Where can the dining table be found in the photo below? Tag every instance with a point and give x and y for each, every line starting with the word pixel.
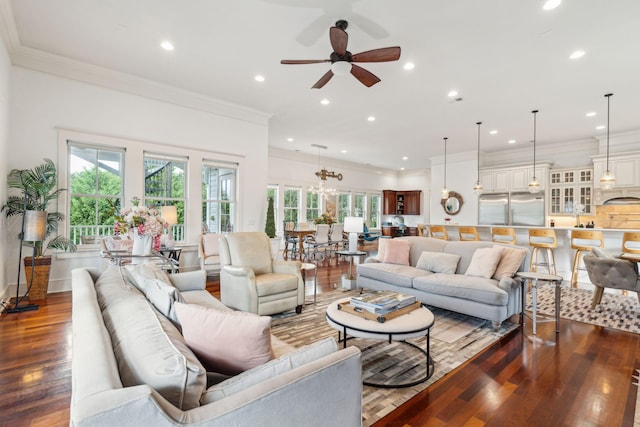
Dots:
pixel 300 233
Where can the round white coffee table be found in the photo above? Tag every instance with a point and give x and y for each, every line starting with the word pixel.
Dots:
pixel 414 324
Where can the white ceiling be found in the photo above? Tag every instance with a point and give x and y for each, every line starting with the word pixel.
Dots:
pixel 505 58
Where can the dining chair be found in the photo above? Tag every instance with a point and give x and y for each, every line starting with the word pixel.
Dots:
pixel 317 244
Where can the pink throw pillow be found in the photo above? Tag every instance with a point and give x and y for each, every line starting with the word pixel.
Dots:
pixel 228 342
pixel 210 244
pixel 382 248
pixel 510 262
pixel 397 252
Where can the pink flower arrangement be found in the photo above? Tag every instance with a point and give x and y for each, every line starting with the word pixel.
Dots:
pixel 146 221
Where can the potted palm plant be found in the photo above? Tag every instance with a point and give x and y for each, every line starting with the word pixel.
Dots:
pixel 37 188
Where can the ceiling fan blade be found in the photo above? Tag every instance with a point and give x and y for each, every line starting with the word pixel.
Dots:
pixel 366 78
pixel 323 80
pixel 384 54
pixel 339 39
pixel 304 61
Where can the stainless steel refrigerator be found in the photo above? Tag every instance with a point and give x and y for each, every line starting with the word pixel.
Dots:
pixel 518 208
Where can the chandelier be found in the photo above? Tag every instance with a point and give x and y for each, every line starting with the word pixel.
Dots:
pixel 322 188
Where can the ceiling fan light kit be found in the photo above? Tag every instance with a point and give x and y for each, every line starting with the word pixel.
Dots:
pixel 342 61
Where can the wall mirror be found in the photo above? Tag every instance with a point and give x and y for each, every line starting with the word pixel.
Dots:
pixel 452 204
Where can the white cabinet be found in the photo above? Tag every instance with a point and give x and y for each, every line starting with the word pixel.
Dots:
pixel 513 178
pixel 570 186
pixel 625 167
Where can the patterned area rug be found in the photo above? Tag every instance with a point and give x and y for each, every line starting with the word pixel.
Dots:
pixel 455 338
pixel 615 311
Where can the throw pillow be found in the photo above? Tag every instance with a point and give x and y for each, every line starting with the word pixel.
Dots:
pixel 397 252
pixel 382 249
pixel 163 296
pixel 484 262
pixel 210 244
pixel 228 342
pixel 438 262
pixel 148 270
pixel 509 262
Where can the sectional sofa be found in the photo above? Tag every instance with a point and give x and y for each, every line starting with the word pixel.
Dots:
pixel 133 365
pixel 474 278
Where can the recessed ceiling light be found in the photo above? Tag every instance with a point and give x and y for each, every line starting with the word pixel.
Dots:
pixel 401 169
pixel 551 4
pixel 167 45
pixel 409 66
pixel 259 78
pixel 601 127
pixel 590 114
pixel 371 119
pixel 577 54
pixel 405 158
pixel 512 141
pixel 325 102
pixel 452 93
pixel 290 139
pixel 344 151
pixel 493 132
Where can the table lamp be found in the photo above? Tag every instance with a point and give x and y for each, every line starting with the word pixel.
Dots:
pixel 353 225
pixel 170 215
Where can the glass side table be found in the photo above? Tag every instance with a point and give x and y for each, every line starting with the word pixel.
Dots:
pixel 533 277
pixel 349 282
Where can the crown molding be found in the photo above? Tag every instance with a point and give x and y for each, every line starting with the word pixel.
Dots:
pixel 8 30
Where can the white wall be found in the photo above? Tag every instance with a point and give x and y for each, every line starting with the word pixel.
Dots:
pixel 5 78
pixel 42 104
pixel 461 176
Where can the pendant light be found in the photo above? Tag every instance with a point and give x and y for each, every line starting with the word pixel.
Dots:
pixel 534 185
pixel 445 192
pixel 608 180
pixel 478 188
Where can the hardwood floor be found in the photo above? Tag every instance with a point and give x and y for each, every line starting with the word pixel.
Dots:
pixel 582 377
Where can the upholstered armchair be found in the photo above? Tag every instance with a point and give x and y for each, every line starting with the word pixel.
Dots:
pixel 209 252
pixel 608 272
pixel 251 280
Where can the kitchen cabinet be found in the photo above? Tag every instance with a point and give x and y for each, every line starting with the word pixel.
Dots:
pixel 512 178
pixel 388 202
pixel 570 186
pixel 625 167
pixel 401 202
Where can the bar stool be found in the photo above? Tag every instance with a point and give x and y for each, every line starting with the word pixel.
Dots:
pixel 633 238
pixel 468 234
pixel 583 241
pixel 543 240
pixel 504 235
pixel 421 229
pixel 438 232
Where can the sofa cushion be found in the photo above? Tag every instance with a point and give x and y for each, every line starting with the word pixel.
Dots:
pixel 163 296
pixel 268 370
pixel 138 272
pixel 397 252
pixel 394 274
pixel 275 283
pixel 460 286
pixel 229 342
pixel 438 262
pixel 147 346
pixel 484 262
pixel 510 262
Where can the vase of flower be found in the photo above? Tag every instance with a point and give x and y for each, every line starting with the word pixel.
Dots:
pixel 141 244
pixel 144 223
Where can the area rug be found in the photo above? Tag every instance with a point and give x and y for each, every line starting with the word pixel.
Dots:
pixel 455 338
pixel 615 311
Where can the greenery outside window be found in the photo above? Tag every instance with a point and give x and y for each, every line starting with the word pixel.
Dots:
pixel 374 211
pixel 219 183
pixel 313 206
pixel 164 185
pixel 96 186
pixel 292 204
pixel 360 205
pixel 344 206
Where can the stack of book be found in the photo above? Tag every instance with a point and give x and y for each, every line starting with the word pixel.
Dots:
pixel 382 302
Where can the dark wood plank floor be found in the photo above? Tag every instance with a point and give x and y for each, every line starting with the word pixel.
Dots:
pixel 583 377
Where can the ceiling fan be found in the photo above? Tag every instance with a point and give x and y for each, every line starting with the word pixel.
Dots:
pixel 342 60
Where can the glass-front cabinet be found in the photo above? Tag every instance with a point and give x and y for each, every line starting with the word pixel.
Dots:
pixel 570 188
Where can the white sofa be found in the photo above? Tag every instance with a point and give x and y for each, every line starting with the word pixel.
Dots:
pixel 131 366
pixel 486 298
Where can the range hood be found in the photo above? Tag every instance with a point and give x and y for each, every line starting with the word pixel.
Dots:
pixel 622 201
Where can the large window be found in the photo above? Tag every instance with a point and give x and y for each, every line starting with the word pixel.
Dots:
pixel 164 185
pixel 95 190
pixel 292 204
pixel 360 205
pixel 374 211
pixel 218 196
pixel 344 206
pixel 313 206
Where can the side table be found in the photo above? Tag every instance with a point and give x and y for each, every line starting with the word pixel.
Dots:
pixel 348 282
pixel 534 277
pixel 306 267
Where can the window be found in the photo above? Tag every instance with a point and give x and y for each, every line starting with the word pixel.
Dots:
pixel 374 211
pixel 360 205
pixel 95 189
pixel 272 192
pixel 218 196
pixel 313 206
pixel 344 206
pixel 164 185
pixel 292 204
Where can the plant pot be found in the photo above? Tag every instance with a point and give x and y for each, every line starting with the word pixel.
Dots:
pixel 41 269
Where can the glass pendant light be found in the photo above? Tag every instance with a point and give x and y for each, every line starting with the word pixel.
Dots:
pixel 534 185
pixel 445 191
pixel 478 188
pixel 608 180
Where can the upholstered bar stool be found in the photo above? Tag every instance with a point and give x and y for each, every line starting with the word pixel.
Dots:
pixel 583 241
pixel 438 232
pixel 631 242
pixel 422 230
pixel 504 235
pixel 468 234
pixel 543 240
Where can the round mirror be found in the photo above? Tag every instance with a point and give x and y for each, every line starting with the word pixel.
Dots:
pixel 452 204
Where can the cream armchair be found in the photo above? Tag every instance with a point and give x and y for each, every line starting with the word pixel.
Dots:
pixel 250 280
pixel 209 252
